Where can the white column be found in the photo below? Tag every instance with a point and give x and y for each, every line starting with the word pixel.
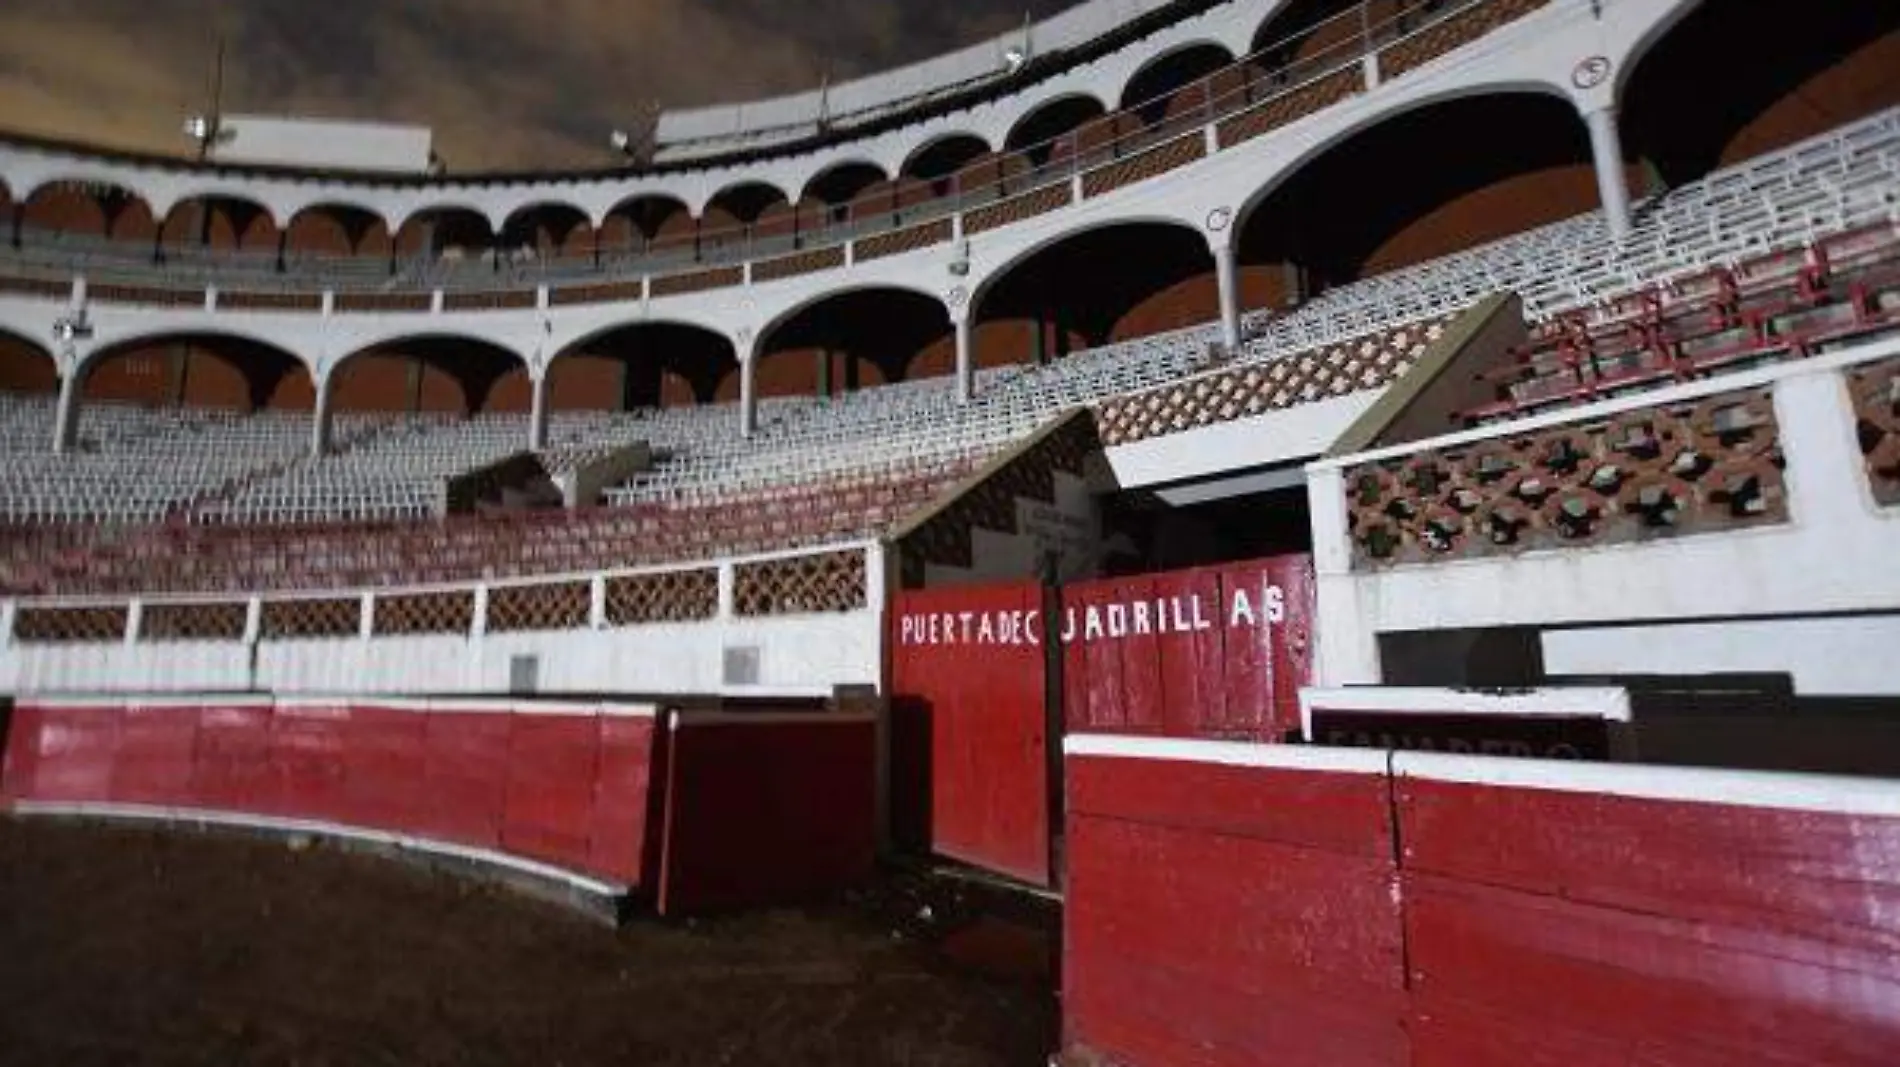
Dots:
pixel 748 396
pixel 538 416
pixel 1345 647
pixel 320 419
pixel 1225 273
pixel 966 370
pixel 1606 149
pixel 66 418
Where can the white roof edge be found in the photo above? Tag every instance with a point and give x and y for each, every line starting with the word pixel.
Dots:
pixel 1227 753
pixel 1606 702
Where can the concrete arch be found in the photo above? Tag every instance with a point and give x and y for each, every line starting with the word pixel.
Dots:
pixel 98 191
pixel 938 144
pixel 211 194
pixel 1018 258
pixel 436 349
pixel 26 365
pixel 832 173
pixel 356 221
pixel 1373 119
pixel 639 377
pixel 1021 122
pixel 571 346
pixel 771 325
pixel 418 210
pixel 263 363
pixel 706 202
pixel 507 232
pixel 1175 54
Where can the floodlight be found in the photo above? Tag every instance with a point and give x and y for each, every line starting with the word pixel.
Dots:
pixel 1014 57
pixel 621 140
pixel 198 128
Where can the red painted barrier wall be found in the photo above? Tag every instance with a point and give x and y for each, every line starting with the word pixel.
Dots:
pixel 765 809
pixel 968 663
pixel 564 785
pixel 1232 915
pixel 1549 912
pixel 1220 652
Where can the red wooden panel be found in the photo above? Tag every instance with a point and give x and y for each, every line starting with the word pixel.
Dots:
pixel 1799 873
pixel 464 778
pixel 963 658
pixel 385 781
pixel 153 762
pixel 1193 698
pixel 74 751
pixel 307 759
pixel 624 800
pixel 22 753
pixel 1292 637
pixel 767 812
pixel 1665 989
pixel 1263 674
pixel 231 771
pixel 1339 812
pixel 552 762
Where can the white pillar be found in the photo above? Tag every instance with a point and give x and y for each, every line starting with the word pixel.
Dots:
pixel 966 370
pixel 748 396
pixel 1606 149
pixel 66 418
pixel 320 419
pixel 538 416
pixel 1225 273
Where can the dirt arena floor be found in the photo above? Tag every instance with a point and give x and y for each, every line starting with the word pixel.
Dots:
pixel 133 946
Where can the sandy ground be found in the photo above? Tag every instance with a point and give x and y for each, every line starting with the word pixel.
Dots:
pixel 133 946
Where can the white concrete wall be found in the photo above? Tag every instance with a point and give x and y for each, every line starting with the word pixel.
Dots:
pixel 1837 553
pixel 1848 656
pixel 797 655
pixel 1296 433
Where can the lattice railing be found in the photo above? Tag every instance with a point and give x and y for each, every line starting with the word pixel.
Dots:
pixel 563 606
pixel 877 246
pixel 313 618
pixel 817 259
pixel 193 622
pixel 70 626
pixel 450 611
pixel 671 596
pixel 1693 467
pixel 1150 164
pixel 828 583
pixel 697 281
pixel 1875 388
pixel 1017 208
pixel 1442 37
pixel 1291 105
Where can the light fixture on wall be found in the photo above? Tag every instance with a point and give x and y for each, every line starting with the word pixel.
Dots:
pixel 68 329
pixel 1013 59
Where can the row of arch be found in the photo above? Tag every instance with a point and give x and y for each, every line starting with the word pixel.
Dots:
pixel 1179 81
pixel 1461 187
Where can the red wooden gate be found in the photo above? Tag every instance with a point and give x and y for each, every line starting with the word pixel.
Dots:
pixel 1217 652
pixel 967 675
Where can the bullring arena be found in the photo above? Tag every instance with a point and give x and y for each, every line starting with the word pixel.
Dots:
pixel 1266 532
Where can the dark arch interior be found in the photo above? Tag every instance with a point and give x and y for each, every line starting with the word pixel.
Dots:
pixel 547 228
pixel 1421 185
pixel 1162 279
pixel 641 365
pixel 439 374
pixel 940 159
pixel 1741 77
pixel 643 219
pixel 220 222
pixel 336 229
pixel 746 202
pixel 198 370
pixel 854 339
pixel 91 209
pixel 1313 30
pixel 436 230
pixel 1152 87
pixel 841 184
pixel 26 367
pixel 1054 119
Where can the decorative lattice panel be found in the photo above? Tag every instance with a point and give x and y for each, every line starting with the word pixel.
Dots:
pixel 1458 30
pixel 803 585
pixel 1298 103
pixel 193 622
pixel 448 612
pixel 328 617
pixel 817 259
pixel 1699 467
pixel 1149 164
pixel 1876 392
pixel 487 300
pixel 382 302
pixel 240 300
pixel 698 281
pixel 36 287
pixel 562 606
pixel 147 295
pixel 606 293
pixel 1003 213
pixel 1257 388
pixel 69 626
pixel 674 596
pixel 908 239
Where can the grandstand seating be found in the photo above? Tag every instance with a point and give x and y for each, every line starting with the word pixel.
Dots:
pixel 1778 253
